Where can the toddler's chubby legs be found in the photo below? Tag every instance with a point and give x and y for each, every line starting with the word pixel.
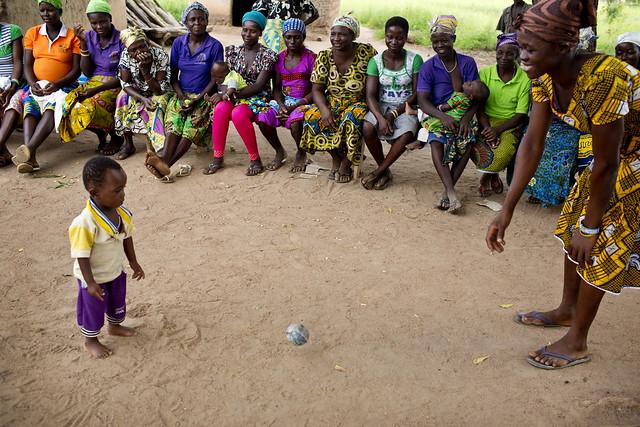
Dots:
pixel 91 312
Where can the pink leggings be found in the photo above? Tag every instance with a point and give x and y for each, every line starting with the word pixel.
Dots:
pixel 242 118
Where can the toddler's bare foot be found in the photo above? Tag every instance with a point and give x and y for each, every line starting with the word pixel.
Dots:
pixel 121 331
pixel 455 207
pixel 96 349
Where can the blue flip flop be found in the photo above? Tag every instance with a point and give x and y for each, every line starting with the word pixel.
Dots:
pixel 572 361
pixel 546 322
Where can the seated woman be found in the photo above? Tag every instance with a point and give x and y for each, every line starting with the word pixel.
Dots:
pixel 278 11
pixel 144 75
pixel 188 115
pixel 334 123
pixel 392 79
pixel 503 116
pixel 51 67
pixel 93 104
pixel 11 87
pixel 254 62
pixel 441 76
pixel 628 49
pixel 292 90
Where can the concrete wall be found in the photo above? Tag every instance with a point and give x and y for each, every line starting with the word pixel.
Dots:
pixel 25 13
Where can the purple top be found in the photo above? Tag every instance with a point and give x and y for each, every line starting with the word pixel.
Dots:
pixel 105 59
pixel 436 81
pixel 195 70
pixel 296 82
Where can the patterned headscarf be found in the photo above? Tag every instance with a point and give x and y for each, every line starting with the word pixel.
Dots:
pixel 132 35
pixel 293 24
pixel 629 38
pixel 55 3
pixel 349 22
pixel 98 6
pixel 444 24
pixel 507 38
pixel 558 21
pixel 194 6
pixel 256 17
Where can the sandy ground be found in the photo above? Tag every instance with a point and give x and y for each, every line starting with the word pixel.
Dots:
pixel 399 299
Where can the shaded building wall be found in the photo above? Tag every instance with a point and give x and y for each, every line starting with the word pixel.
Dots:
pixel 229 12
pixel 25 13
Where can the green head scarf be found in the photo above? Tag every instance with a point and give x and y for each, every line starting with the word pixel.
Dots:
pixel 99 6
pixel 55 3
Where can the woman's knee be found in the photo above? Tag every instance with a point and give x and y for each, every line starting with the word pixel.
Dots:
pixel 241 113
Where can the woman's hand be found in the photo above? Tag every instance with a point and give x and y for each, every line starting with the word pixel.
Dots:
pixel 145 60
pixel 490 135
pixel 495 233
pixel 149 104
pixel 50 88
pixel 580 248
pixel 213 99
pixel 78 29
pixel 328 121
pixel 465 130
pixel 450 124
pixel 36 89
pixel 385 125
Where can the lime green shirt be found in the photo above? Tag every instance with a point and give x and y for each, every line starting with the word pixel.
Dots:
pixel 506 99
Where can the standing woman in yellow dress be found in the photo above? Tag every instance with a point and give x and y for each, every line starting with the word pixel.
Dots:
pixel 93 104
pixel 599 223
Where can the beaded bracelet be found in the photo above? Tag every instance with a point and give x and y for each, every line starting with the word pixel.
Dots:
pixel 588 232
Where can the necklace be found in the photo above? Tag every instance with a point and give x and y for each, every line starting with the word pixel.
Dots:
pixel 445 67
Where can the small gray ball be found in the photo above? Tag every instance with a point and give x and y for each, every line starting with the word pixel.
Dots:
pixel 297 334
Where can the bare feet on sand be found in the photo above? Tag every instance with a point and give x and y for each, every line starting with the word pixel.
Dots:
pixel 120 331
pixel 96 349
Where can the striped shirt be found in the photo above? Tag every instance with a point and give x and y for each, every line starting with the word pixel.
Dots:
pixel 8 34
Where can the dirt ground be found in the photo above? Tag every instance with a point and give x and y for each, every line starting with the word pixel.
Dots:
pixel 399 300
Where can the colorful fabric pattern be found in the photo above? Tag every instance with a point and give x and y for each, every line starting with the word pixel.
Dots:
pixel 160 63
pixel 96 112
pixel 496 158
pixel 272 36
pixel 132 116
pixel 8 34
pixel 345 95
pixel 285 9
pixel 555 174
pixel 194 125
pixel 606 90
pixel 264 61
pixel 459 103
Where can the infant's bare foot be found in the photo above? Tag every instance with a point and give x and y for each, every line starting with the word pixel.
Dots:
pixel 121 331
pixel 96 349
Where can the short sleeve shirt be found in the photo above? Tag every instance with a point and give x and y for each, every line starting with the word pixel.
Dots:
pixel 53 58
pixel 160 62
pixel 105 58
pixel 434 79
pixel 265 61
pixel 351 84
pixel 9 33
pixel 395 86
pixel 506 99
pixel 195 69
pixel 92 235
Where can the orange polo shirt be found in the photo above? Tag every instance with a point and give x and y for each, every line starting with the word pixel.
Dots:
pixel 53 58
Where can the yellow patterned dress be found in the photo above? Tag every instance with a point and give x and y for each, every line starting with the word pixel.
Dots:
pixel 606 90
pixel 346 96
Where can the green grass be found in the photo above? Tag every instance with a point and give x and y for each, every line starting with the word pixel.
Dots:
pixel 174 7
pixel 477 19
